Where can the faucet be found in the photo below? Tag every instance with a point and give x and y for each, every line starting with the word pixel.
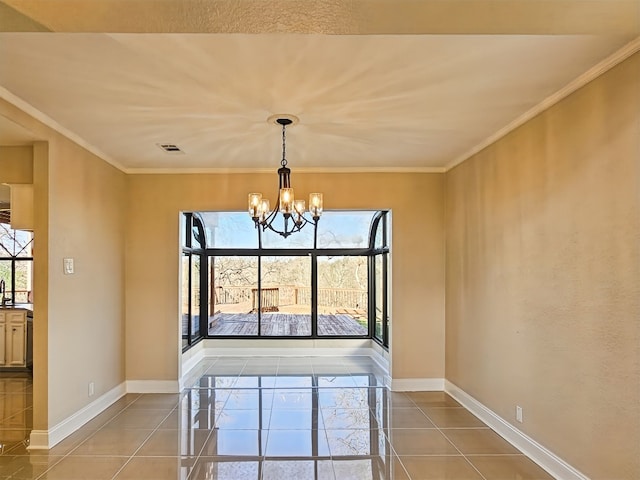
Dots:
pixel 3 293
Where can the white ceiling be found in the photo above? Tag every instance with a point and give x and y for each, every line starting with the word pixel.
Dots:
pixel 377 102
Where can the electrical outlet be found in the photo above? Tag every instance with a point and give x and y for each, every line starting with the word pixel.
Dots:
pixel 91 389
pixel 519 413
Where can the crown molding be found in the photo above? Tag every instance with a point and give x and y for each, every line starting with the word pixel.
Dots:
pixel 594 72
pixel 298 170
pixel 51 123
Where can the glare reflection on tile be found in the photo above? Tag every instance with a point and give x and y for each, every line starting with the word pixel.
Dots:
pixel 235 443
pixel 352 442
pixel 370 468
pixel 295 420
pixel 297 469
pixel 344 397
pixel 264 418
pixel 294 381
pixel 293 399
pixel 348 418
pixel 297 443
pixel 243 419
pixel 229 468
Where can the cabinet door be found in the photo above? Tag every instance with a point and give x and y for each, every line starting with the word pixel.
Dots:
pixel 3 337
pixel 16 348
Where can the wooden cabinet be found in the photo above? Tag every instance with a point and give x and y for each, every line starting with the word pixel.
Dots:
pixel 13 339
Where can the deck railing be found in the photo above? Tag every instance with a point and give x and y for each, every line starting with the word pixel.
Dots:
pixel 273 297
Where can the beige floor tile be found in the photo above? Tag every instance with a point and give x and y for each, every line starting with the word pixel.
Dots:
pixel 139 418
pixel 439 468
pixel 433 399
pixel 156 400
pixel 416 441
pixel 407 418
pixel 509 467
pixel 479 441
pixel 265 428
pixel 85 468
pixel 453 418
pixel 156 468
pixel 167 443
pixel 226 468
pixel 112 442
pixel 397 399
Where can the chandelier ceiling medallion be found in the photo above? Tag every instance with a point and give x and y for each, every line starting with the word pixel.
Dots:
pixel 292 212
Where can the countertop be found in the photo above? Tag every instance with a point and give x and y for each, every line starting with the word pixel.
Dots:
pixel 19 306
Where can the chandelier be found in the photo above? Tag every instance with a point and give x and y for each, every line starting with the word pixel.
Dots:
pixel 290 212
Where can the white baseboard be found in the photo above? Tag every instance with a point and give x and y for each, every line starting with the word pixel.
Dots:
pixel 191 357
pixel 45 439
pixel 417 384
pixel 550 462
pixel 285 348
pixel 152 386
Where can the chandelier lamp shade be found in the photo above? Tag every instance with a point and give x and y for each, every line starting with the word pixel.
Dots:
pixel 289 214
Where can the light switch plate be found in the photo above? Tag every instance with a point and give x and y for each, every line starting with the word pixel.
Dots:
pixel 68 266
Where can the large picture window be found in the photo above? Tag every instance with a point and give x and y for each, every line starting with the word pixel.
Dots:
pixel 286 288
pixel 16 265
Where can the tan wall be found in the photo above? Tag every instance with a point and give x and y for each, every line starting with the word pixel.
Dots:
pixel 78 319
pixel 543 276
pixel 16 164
pixel 155 201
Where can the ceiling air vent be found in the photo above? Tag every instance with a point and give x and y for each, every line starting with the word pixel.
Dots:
pixel 170 147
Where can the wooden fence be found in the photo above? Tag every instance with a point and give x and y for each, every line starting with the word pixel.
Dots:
pixel 273 297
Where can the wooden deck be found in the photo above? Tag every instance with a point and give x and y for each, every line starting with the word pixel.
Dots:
pixel 283 324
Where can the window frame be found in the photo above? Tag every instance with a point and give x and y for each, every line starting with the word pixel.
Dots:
pixel 379 220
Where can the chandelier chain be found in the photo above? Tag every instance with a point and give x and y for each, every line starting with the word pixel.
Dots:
pixel 283 162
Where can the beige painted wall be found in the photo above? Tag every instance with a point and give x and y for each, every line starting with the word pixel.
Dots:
pixel 543 276
pixel 155 201
pixel 16 164
pixel 78 319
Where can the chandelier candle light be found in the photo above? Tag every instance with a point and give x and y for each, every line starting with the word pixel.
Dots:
pixel 292 210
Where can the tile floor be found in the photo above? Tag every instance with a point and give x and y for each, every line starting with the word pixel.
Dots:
pixel 267 418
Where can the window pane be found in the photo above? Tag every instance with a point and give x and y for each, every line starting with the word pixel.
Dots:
pixel 342 296
pixel 5 274
pixel 15 243
pixel 344 229
pixel 285 300
pixel 24 281
pixel 184 220
pixel 301 239
pixel 229 230
pixel 379 241
pixel 379 297
pixel 234 283
pixel 185 300
pixel 195 297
